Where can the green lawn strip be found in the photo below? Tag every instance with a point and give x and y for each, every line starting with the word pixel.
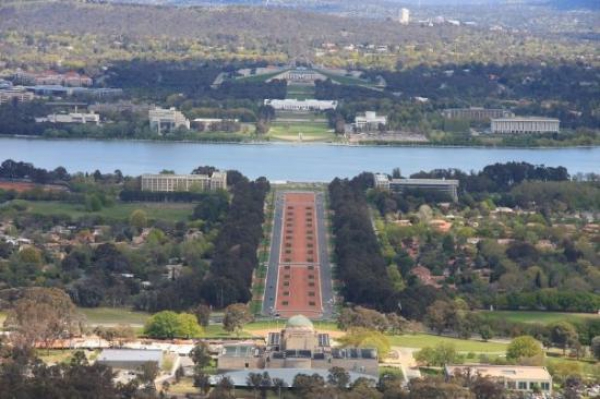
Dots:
pixel 162 211
pixel 55 356
pixel 346 80
pixel 258 78
pixel 419 341
pixel 110 316
pixel 300 92
pixel 217 331
pixel 2 319
pixel 537 317
pixel 310 131
pixel 272 324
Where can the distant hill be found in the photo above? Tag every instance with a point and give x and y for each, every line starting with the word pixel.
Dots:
pixel 237 24
pixel 575 4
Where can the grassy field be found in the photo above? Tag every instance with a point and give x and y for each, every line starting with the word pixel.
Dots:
pixel 311 131
pixel 299 92
pixel 259 78
pixel 422 340
pixel 277 325
pixel 2 318
pixel 346 80
pixel 109 316
pixel 538 317
pixel 172 212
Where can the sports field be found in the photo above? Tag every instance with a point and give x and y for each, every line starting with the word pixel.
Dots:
pixel 419 341
pixel 539 317
pixel 300 92
pixel 298 279
pixel 160 211
pixel 301 131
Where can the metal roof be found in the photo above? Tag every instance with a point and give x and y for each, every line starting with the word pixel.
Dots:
pixel 131 355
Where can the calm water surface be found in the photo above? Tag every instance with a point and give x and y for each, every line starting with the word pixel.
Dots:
pixel 315 162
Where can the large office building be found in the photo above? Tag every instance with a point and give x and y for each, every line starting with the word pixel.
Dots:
pixel 300 76
pixel 301 105
pixel 8 96
pixel 369 122
pixel 298 347
pixel 525 125
pixel 130 359
pixel 514 378
pixel 165 120
pixel 476 114
pixel 181 183
pixel 404 16
pixel 88 118
pixel 447 186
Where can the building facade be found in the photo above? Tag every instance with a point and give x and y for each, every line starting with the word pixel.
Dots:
pixel 514 378
pixel 301 105
pixel 8 96
pixel 130 359
pixel 447 186
pixel 476 114
pixel 90 118
pixel 369 122
pixel 165 120
pixel 298 346
pixel 404 16
pixel 525 125
pixel 182 183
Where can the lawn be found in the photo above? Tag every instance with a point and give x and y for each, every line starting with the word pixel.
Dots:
pixel 162 211
pixel 2 318
pixel 299 92
pixel 538 317
pixel 311 131
pixel 422 340
pixel 113 316
pixel 278 325
pixel 55 356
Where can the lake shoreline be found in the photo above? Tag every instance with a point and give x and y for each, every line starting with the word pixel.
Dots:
pixel 293 143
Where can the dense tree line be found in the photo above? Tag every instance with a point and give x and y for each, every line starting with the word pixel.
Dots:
pixel 15 170
pixel 360 264
pixel 235 255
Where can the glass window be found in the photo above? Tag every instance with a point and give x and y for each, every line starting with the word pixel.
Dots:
pixel 522 385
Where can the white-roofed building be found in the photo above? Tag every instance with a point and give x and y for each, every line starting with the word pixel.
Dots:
pixel 130 359
pixel 525 125
pixel 516 378
pixel 301 105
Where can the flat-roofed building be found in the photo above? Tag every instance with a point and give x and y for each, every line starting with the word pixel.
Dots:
pixel 130 359
pixel 448 186
pixel 525 125
pixel 181 183
pixel 298 347
pixel 476 114
pixel 89 118
pixel 164 120
pixel 301 105
pixel 517 378
pixel 369 122
pixel 8 96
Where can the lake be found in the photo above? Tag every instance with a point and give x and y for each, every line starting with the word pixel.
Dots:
pixel 297 162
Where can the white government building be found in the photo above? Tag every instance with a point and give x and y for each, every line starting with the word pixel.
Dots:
pixel 180 183
pixel 370 121
pixel 525 125
pixel 89 118
pixel 301 105
pixel 165 120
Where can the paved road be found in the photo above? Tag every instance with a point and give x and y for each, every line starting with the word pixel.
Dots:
pixel 327 293
pixel 273 262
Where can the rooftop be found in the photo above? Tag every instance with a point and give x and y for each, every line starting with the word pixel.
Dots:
pixel 299 321
pixel 502 371
pixel 131 355
pixel 240 378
